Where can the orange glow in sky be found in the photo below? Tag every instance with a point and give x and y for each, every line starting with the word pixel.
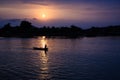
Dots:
pixel 63 12
pixel 43 16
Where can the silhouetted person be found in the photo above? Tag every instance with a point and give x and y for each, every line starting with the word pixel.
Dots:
pixel 45 46
pixel 46 49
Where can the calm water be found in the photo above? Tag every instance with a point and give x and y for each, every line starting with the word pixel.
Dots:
pixel 95 58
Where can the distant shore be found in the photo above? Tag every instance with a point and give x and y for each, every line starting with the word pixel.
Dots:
pixel 26 29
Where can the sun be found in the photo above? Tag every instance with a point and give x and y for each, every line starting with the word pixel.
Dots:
pixel 43 16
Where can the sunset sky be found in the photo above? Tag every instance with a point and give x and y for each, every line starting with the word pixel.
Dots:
pixel 63 12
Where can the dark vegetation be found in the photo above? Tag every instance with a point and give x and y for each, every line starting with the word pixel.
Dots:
pixel 26 29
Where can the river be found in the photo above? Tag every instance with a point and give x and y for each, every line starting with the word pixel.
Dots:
pixel 87 58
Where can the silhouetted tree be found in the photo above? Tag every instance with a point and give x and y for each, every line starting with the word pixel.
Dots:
pixel 27 30
pixel 25 25
pixel 7 26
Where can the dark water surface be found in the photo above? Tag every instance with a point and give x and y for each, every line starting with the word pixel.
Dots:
pixel 96 58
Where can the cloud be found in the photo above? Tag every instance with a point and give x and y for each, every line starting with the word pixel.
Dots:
pixel 69 9
pixel 18 3
pixel 40 2
pixel 62 2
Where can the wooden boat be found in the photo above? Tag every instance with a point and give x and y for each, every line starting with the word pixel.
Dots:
pixel 37 48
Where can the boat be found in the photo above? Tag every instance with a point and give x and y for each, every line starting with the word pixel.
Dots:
pixel 38 48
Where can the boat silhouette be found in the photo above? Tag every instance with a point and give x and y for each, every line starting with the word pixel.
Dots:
pixel 39 48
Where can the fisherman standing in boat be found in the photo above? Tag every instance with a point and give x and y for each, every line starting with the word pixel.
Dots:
pixel 45 46
pixel 37 48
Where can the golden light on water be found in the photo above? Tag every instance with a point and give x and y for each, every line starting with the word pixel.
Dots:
pixel 42 41
pixel 44 66
pixel 43 37
pixel 43 56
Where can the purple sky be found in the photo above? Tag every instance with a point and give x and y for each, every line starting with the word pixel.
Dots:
pixel 84 13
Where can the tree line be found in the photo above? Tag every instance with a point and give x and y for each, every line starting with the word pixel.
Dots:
pixel 26 29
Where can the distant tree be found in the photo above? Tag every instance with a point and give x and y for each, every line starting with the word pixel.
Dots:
pixel 25 25
pixel 75 27
pixel 7 26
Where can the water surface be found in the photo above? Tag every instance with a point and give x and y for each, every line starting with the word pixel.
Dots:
pixel 96 58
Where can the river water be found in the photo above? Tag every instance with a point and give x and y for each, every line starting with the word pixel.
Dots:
pixel 88 58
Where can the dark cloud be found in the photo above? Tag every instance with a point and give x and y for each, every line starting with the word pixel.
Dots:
pixel 60 1
pixel 38 2
pixel 63 2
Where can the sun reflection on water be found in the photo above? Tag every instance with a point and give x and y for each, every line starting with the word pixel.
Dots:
pixel 42 41
pixel 44 66
pixel 43 56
